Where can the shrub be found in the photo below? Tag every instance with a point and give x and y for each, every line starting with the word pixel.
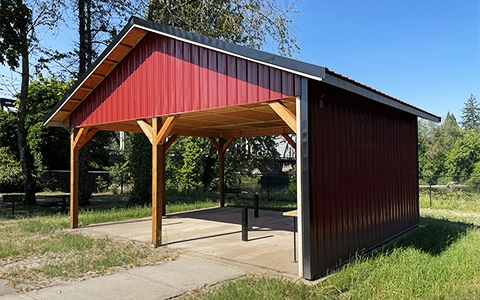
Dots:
pixel 10 172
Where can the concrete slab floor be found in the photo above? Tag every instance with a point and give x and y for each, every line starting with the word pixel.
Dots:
pixel 215 233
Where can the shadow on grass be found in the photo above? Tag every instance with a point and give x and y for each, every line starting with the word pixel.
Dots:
pixel 434 236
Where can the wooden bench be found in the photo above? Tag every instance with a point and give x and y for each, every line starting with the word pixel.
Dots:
pixel 12 198
pixel 232 191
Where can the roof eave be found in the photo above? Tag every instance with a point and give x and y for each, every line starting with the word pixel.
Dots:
pixel 115 42
pixel 378 97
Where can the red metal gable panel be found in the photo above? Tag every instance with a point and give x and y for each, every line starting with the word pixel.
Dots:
pixel 364 187
pixel 164 76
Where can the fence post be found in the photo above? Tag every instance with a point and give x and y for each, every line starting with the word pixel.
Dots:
pixel 245 224
pixel 255 206
pixel 430 195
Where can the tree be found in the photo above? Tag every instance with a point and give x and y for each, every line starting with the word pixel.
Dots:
pixel 252 23
pixel 434 143
pixel 8 132
pixel 190 172
pixel 140 165
pixel 464 154
pixel 471 114
pixel 43 94
pixel 19 25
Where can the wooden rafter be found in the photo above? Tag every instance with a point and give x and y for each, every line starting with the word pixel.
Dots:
pixel 220 146
pixel 83 136
pixel 290 141
pixel 167 127
pixel 159 137
pixel 147 129
pixel 283 112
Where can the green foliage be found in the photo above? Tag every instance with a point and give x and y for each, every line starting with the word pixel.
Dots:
pixel 138 154
pixel 471 114
pixel 434 144
pixel 251 23
pixel 43 94
pixel 101 184
pixel 118 176
pixel 463 155
pixel 10 172
pixel 247 154
pixel 190 173
pixel 50 147
pixel 8 132
pixel 292 184
pixel 15 19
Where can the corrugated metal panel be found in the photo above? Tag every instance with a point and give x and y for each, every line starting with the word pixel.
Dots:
pixel 364 174
pixel 162 76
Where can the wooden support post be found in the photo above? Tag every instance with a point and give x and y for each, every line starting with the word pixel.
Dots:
pixel 74 154
pixel 162 165
pixel 221 177
pixel 158 187
pixel 157 133
pixel 78 138
pixel 221 147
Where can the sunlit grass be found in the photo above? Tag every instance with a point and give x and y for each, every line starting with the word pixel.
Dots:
pixel 439 260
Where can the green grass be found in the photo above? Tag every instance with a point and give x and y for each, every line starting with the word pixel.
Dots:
pixel 440 260
pixel 37 252
pixel 437 261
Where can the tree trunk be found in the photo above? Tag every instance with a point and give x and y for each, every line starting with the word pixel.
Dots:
pixel 29 183
pixel 85 55
pixel 88 34
pixel 82 51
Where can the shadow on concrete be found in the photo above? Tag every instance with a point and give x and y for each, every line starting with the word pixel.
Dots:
pixel 273 220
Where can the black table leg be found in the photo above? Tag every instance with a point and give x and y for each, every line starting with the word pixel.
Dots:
pixel 294 239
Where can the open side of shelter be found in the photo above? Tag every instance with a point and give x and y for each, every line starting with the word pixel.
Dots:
pixel 166 83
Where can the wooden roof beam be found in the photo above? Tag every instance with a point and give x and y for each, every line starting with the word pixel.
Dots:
pixel 82 137
pixel 147 129
pixel 167 127
pixel 220 145
pixel 283 112
pixel 160 137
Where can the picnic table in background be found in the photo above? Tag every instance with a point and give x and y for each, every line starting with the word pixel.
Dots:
pixel 62 203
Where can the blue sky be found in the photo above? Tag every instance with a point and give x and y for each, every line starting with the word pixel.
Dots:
pixel 424 52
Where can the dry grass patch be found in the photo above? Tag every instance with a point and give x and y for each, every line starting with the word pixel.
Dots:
pixel 37 253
